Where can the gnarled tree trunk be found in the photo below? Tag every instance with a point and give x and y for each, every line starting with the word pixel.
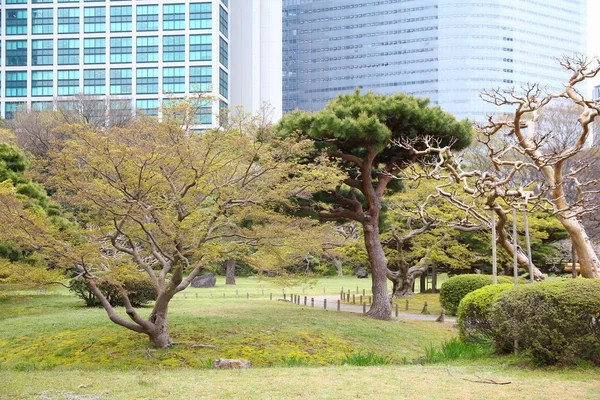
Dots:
pixel 230 272
pixel 381 307
pixel 404 278
pixel 338 265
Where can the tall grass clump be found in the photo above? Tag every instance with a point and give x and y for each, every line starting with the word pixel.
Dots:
pixel 454 349
pixel 365 359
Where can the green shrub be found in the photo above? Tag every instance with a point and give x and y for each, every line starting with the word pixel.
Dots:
pixel 555 322
pixel 454 349
pixel 139 289
pixel 455 288
pixel 473 315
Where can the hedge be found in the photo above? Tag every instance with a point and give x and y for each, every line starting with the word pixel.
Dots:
pixel 457 287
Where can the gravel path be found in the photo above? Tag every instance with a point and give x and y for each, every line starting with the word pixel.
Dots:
pixel 332 305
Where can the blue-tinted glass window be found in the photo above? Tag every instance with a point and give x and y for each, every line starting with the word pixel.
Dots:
pixel 41 83
pixel 121 18
pixel 147 18
pixel 41 1
pixel 42 21
pixel 68 20
pixel 147 49
pixel 173 17
pixel 173 48
pixel 120 50
pixel 224 52
pixel 201 47
pixel 200 15
pixel 223 83
pixel 10 108
pixel 16 84
pixel 16 52
pixel 174 79
pixel 94 51
pixel 94 81
pixel 68 51
pixel 68 82
pixel 42 52
pixel 41 105
pixel 120 81
pixel 147 81
pixel 147 106
pixel 16 22
pixel 223 21
pixel 94 19
pixel 204 114
pixel 200 79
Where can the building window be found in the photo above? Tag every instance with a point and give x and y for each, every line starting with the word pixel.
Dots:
pixel 204 112
pixel 224 53
pixel 94 19
pixel 94 51
pixel 173 17
pixel 147 49
pixel 201 47
pixel 147 18
pixel 147 81
pixel 120 50
pixel 120 81
pixel 16 52
pixel 173 48
pixel 120 19
pixel 41 83
pixel 41 105
pixel 68 20
pixel 225 2
pixel 223 21
pixel 174 80
pixel 42 21
pixel 147 106
pixel 42 52
pixel 68 51
pixel 200 16
pixel 16 22
pixel 16 84
pixel 200 79
pixel 94 81
pixel 11 108
pixel 68 82
pixel 223 83
pixel 41 1
pixel 16 1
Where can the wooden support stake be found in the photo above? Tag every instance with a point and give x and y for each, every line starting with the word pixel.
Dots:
pixel 361 300
pixel 396 310
pixel 312 301
pixel 406 307
pixel 304 300
pixel 424 310
pixel 338 305
pixel 364 308
pixel 442 316
pixel 325 304
pixel 353 299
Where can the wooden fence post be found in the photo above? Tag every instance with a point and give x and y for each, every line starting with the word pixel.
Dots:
pixel 304 300
pixel 406 308
pixel 364 308
pixel 325 304
pixel 338 305
pixel 312 301
pixel 396 310
pixel 353 299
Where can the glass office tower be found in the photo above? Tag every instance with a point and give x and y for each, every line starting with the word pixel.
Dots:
pixel 445 50
pixel 141 53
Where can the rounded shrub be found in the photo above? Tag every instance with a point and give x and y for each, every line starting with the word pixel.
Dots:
pixel 555 322
pixel 457 287
pixel 473 315
pixel 140 289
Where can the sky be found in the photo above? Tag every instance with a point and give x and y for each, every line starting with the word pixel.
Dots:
pixel 594 33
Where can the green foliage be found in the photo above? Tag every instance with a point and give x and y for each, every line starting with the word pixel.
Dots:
pixel 556 322
pixel 454 349
pixel 12 164
pixel 139 288
pixel 365 359
pixel 473 313
pixel 455 288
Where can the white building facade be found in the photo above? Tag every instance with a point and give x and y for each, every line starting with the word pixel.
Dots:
pixel 138 53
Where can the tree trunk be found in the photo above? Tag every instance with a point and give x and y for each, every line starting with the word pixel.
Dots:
pixel 230 272
pixel 586 255
pixel 338 266
pixel 404 280
pixel 381 307
pixel 159 334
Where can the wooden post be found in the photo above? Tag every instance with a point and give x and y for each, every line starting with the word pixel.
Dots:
pixel 342 295
pixel 396 310
pixel 442 316
pixel 494 258
pixel 284 297
pixel 361 300
pixel 271 296
pixel 353 299
pixel 424 310
pixel 338 305
pixel 406 307
pixel 515 243
pixel 348 294
pixel 364 308
pixel 304 300
pixel 357 289
pixel 325 304
pixel 363 292
pixel 312 301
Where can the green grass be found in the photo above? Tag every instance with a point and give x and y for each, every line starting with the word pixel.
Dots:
pixel 54 331
pixel 366 359
pixel 454 349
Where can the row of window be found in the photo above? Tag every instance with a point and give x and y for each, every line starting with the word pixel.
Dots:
pixel 120 17
pixel 120 50
pixel 120 81
pixel 148 106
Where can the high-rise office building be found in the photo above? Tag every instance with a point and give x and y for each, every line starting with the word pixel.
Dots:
pixel 444 50
pixel 138 53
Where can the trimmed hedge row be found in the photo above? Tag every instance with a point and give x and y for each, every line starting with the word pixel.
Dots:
pixel 457 287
